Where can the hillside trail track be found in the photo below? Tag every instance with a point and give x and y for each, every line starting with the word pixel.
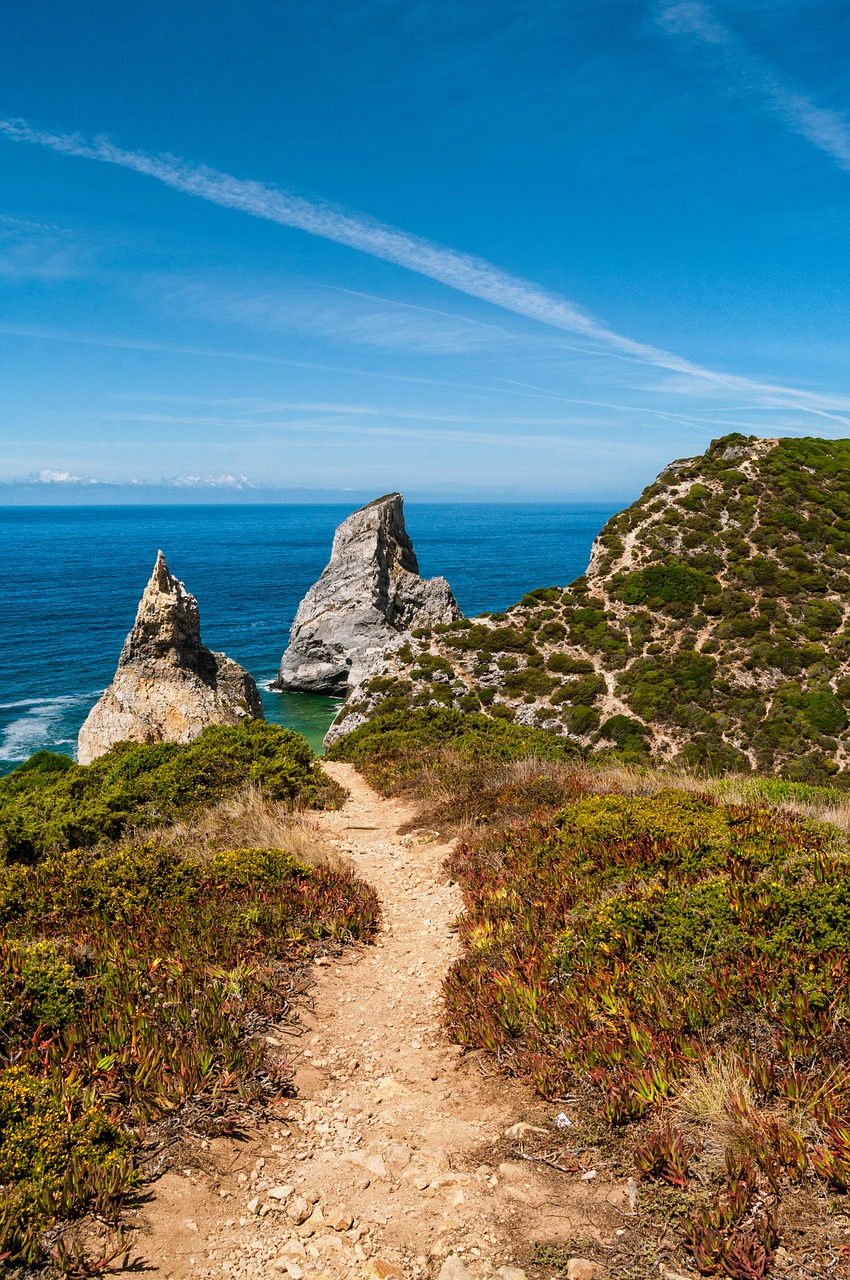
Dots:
pixel 396 1139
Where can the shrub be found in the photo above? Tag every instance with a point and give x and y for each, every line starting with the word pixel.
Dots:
pixel 662 584
pixel 47 803
pixel 58 1153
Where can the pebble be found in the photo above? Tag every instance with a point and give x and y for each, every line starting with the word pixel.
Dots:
pixel 584 1269
pixel 511 1273
pixel 298 1210
pixel 280 1193
pixel 454 1269
pixel 253 1206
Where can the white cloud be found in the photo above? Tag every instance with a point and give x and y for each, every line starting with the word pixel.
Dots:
pixel 461 271
pixel 827 130
pixel 205 482
pixel 35 250
pixel 48 476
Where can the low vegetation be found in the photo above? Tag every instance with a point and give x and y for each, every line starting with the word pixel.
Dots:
pixel 465 770
pixel 138 976
pixel 679 966
pixel 50 802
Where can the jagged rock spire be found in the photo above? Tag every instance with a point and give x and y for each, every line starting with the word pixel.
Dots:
pixel 168 685
pixel 367 598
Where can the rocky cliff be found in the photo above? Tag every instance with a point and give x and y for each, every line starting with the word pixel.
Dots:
pixel 364 604
pixel 712 626
pixel 168 686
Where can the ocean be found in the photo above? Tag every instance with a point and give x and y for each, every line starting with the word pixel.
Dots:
pixel 71 578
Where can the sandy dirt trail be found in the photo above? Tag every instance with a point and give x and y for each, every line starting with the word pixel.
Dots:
pixel 394 1159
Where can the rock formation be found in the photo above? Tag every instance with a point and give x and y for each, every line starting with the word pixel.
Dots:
pixel 168 686
pixel 367 598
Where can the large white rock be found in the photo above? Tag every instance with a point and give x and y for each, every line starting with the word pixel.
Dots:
pixel 168 686
pixel 367 599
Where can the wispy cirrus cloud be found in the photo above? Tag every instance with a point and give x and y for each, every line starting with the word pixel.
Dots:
pixel 747 72
pixel 463 272
pixel 36 250
pixel 342 315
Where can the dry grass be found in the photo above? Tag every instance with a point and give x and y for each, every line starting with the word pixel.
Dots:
pixel 248 820
pixel 461 796
pixel 707 1089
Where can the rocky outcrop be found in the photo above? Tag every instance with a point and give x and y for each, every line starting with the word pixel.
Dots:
pixel 168 686
pixel 369 596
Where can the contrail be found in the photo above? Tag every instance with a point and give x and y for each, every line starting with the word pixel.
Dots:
pixel 827 130
pixel 461 271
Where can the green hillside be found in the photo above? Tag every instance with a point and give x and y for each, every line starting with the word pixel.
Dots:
pixel 710 629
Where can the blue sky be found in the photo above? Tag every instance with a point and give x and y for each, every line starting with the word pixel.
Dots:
pixel 477 250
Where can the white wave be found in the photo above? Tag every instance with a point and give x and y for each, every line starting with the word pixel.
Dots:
pixel 67 700
pixel 38 728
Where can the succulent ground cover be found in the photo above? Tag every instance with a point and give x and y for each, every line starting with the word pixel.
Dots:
pixel 711 628
pixel 677 966
pixel 137 978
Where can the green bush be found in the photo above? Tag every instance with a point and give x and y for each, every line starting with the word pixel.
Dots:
pixel 661 584
pixel 59 1153
pixel 50 802
pixel 390 738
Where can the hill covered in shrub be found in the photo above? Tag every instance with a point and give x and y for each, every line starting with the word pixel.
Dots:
pixel 711 628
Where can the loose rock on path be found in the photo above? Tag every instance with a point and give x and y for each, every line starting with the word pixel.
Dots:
pixel 393 1160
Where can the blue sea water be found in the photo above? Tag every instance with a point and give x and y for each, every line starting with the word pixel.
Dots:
pixel 71 577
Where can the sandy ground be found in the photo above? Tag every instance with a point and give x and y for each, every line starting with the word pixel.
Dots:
pixel 399 1156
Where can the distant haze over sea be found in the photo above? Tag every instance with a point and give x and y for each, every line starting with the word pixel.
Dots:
pixel 71 578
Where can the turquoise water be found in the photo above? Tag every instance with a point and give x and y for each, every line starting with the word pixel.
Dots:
pixel 71 577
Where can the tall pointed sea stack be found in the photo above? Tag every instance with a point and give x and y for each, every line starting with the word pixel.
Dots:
pixel 368 597
pixel 168 686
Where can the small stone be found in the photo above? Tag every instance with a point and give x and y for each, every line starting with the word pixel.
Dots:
pixel 253 1206
pixel 280 1193
pixel 397 1157
pixel 298 1210
pixel 511 1273
pixel 375 1165
pixel 584 1269
pixel 364 1184
pixel 589 1176
pixel 295 1272
pixel 454 1269
pixel 342 1220
pixel 388 1087
pixel 191 1224
pixel 382 1269
pixel 292 1249
pixel 510 1171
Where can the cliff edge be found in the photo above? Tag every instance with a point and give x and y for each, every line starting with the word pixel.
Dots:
pixel 168 686
pixel 368 597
